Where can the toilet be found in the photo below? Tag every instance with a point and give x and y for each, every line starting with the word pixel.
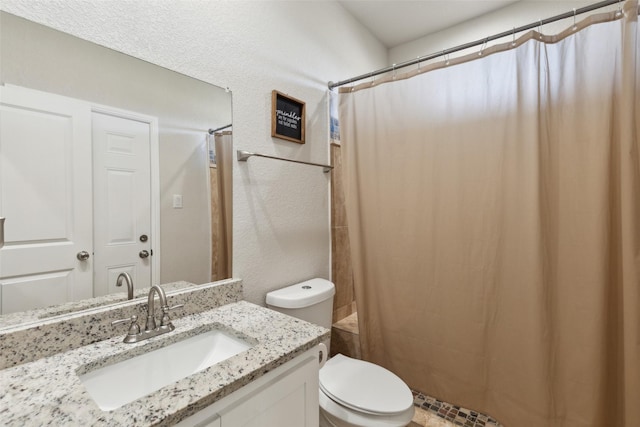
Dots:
pixel 353 393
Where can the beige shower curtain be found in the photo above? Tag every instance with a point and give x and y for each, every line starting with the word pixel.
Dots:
pixel 224 155
pixel 494 219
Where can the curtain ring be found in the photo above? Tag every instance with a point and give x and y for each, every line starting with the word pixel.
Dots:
pixel 483 46
pixel 540 28
pixel 619 12
pixel 419 62
pixel 394 71
pixel 445 56
pixel 373 79
pixel 574 19
pixel 513 37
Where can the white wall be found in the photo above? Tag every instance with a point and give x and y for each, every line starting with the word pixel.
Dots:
pixel 281 210
pixel 515 15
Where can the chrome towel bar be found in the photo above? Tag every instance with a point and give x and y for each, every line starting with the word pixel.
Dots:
pixel 244 155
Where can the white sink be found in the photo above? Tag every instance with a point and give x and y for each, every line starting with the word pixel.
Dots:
pixel 118 384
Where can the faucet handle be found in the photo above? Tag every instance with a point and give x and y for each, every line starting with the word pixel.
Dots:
pixel 134 328
pixel 166 321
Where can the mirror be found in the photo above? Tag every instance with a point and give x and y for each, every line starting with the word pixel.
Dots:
pixel 187 209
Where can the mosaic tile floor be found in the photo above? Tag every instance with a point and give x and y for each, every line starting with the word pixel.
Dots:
pixel 455 415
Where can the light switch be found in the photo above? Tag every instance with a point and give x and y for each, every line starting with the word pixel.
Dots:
pixel 177 201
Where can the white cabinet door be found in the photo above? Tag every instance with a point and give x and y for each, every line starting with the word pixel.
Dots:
pixel 212 421
pixel 289 400
pixel 45 195
pixel 284 397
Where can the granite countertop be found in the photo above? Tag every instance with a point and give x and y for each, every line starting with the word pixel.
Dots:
pixel 48 391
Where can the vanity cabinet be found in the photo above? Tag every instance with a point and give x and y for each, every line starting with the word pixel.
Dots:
pixel 286 396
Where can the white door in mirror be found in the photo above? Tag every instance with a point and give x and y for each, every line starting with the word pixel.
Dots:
pixel 45 195
pixel 121 201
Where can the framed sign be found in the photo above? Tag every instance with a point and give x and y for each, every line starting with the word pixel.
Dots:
pixel 287 117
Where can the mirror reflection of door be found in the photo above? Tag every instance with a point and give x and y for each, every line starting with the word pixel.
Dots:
pixel 46 146
pixel 121 202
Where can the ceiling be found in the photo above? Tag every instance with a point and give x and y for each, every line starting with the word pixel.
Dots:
pixel 395 22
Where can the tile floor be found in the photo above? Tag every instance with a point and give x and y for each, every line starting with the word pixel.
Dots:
pixel 431 412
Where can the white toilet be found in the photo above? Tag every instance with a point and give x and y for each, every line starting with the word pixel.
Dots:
pixel 353 393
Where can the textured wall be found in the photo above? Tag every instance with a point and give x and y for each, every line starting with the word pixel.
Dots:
pixel 281 210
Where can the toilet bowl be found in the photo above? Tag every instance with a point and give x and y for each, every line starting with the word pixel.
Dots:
pixel 353 393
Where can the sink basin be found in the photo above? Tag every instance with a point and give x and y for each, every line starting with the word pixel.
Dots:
pixel 123 382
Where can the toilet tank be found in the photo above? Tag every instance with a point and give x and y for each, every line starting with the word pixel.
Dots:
pixel 311 301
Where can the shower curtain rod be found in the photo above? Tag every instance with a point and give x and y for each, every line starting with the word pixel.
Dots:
pixel 480 42
pixel 212 131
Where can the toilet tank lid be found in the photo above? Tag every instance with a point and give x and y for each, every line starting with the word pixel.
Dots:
pixel 302 294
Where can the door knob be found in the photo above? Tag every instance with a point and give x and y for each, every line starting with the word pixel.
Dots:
pixel 144 254
pixel 82 255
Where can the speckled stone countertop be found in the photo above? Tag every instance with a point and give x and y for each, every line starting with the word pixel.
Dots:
pixel 28 342
pixel 48 391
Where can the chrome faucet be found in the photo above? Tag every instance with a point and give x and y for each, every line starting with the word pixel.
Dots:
pixel 151 314
pixel 126 278
pixel 150 330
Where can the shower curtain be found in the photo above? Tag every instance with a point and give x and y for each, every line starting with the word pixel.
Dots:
pixel 494 219
pixel 224 154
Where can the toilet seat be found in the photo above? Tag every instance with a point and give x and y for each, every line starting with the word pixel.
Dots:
pixel 364 387
pixel 338 415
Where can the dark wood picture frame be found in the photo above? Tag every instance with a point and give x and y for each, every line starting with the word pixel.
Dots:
pixel 288 117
